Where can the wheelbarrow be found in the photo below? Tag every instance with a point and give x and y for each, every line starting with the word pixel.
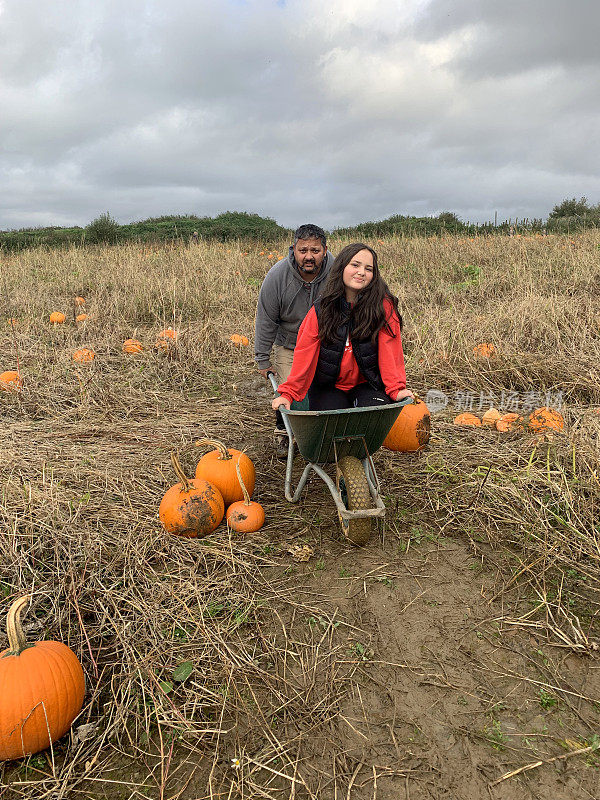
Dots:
pixel 347 437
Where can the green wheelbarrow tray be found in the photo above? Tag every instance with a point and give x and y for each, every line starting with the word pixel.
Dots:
pixel 358 432
pixel 347 437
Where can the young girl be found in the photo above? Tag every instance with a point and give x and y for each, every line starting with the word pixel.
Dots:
pixel 349 350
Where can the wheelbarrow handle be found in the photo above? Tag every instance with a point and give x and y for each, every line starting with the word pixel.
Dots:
pixel 274 384
pixel 283 411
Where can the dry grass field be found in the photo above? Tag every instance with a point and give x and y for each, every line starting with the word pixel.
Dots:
pixel 454 657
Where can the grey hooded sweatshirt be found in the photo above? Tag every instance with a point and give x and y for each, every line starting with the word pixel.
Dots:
pixel 283 302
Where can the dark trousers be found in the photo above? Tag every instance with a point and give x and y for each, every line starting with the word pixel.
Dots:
pixel 329 398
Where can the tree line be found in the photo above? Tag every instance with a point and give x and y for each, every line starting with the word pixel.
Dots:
pixel 569 216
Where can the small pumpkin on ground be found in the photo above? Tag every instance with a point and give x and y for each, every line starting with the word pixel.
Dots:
pixel 81 317
pixel 166 339
pixel 508 422
pixel 245 516
pixel 80 301
pixel 466 419
pixel 219 467
pixel 191 507
pixel 411 430
pixel 491 416
pixel 546 419
pixel 43 687
pixel 57 318
pixel 485 350
pixel 10 381
pixel 84 356
pixel 239 340
pixel 133 346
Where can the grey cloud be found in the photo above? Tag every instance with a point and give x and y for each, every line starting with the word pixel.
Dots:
pixel 337 113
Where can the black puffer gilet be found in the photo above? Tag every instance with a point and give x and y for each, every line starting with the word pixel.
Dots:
pixel 331 353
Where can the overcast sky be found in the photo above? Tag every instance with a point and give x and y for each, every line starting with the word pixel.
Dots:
pixel 304 111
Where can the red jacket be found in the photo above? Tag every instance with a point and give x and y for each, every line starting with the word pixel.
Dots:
pixel 306 355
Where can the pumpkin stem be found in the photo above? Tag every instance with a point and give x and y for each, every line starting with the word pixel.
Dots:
pixel 224 454
pixel 241 480
pixel 179 471
pixel 16 638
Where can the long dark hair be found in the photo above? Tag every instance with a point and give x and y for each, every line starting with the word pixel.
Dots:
pixel 367 314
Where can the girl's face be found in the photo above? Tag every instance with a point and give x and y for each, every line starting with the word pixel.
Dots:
pixel 358 274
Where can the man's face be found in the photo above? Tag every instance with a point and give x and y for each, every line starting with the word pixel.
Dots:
pixel 309 255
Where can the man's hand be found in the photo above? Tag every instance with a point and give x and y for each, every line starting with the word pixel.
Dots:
pixel 404 393
pixel 280 401
pixel 265 372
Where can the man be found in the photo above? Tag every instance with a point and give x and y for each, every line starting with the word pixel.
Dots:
pixel 288 291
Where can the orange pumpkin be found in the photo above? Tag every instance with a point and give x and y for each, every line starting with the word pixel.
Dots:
pixel 57 318
pixel 239 340
pixel 42 690
pixel 12 321
pixel 491 416
pixel 466 419
pixel 219 467
pixel 546 419
pixel 192 507
pixel 133 346
pixel 245 516
pixel 166 339
pixel 80 301
pixel 508 422
pixel 10 381
pixel 81 317
pixel 84 356
pixel 411 430
pixel 485 350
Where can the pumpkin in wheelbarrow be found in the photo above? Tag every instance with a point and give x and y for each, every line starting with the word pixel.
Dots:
pixel 411 430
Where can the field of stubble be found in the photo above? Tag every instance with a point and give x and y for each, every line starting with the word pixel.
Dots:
pixel 458 648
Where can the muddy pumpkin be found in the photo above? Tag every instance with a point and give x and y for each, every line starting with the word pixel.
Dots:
pixel 245 516
pixel 42 690
pixel 412 429
pixel 546 419
pixel 192 507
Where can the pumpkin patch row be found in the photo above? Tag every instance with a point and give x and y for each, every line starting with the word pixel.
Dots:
pixel 542 420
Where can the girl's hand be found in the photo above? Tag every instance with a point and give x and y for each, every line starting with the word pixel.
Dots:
pixel 404 393
pixel 280 401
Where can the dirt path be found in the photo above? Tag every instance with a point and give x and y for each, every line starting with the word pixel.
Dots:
pixel 442 696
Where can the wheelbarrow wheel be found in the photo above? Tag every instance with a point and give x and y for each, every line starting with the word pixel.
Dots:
pixel 354 489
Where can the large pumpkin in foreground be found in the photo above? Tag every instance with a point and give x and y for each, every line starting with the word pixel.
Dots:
pixel 411 430
pixel 42 690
